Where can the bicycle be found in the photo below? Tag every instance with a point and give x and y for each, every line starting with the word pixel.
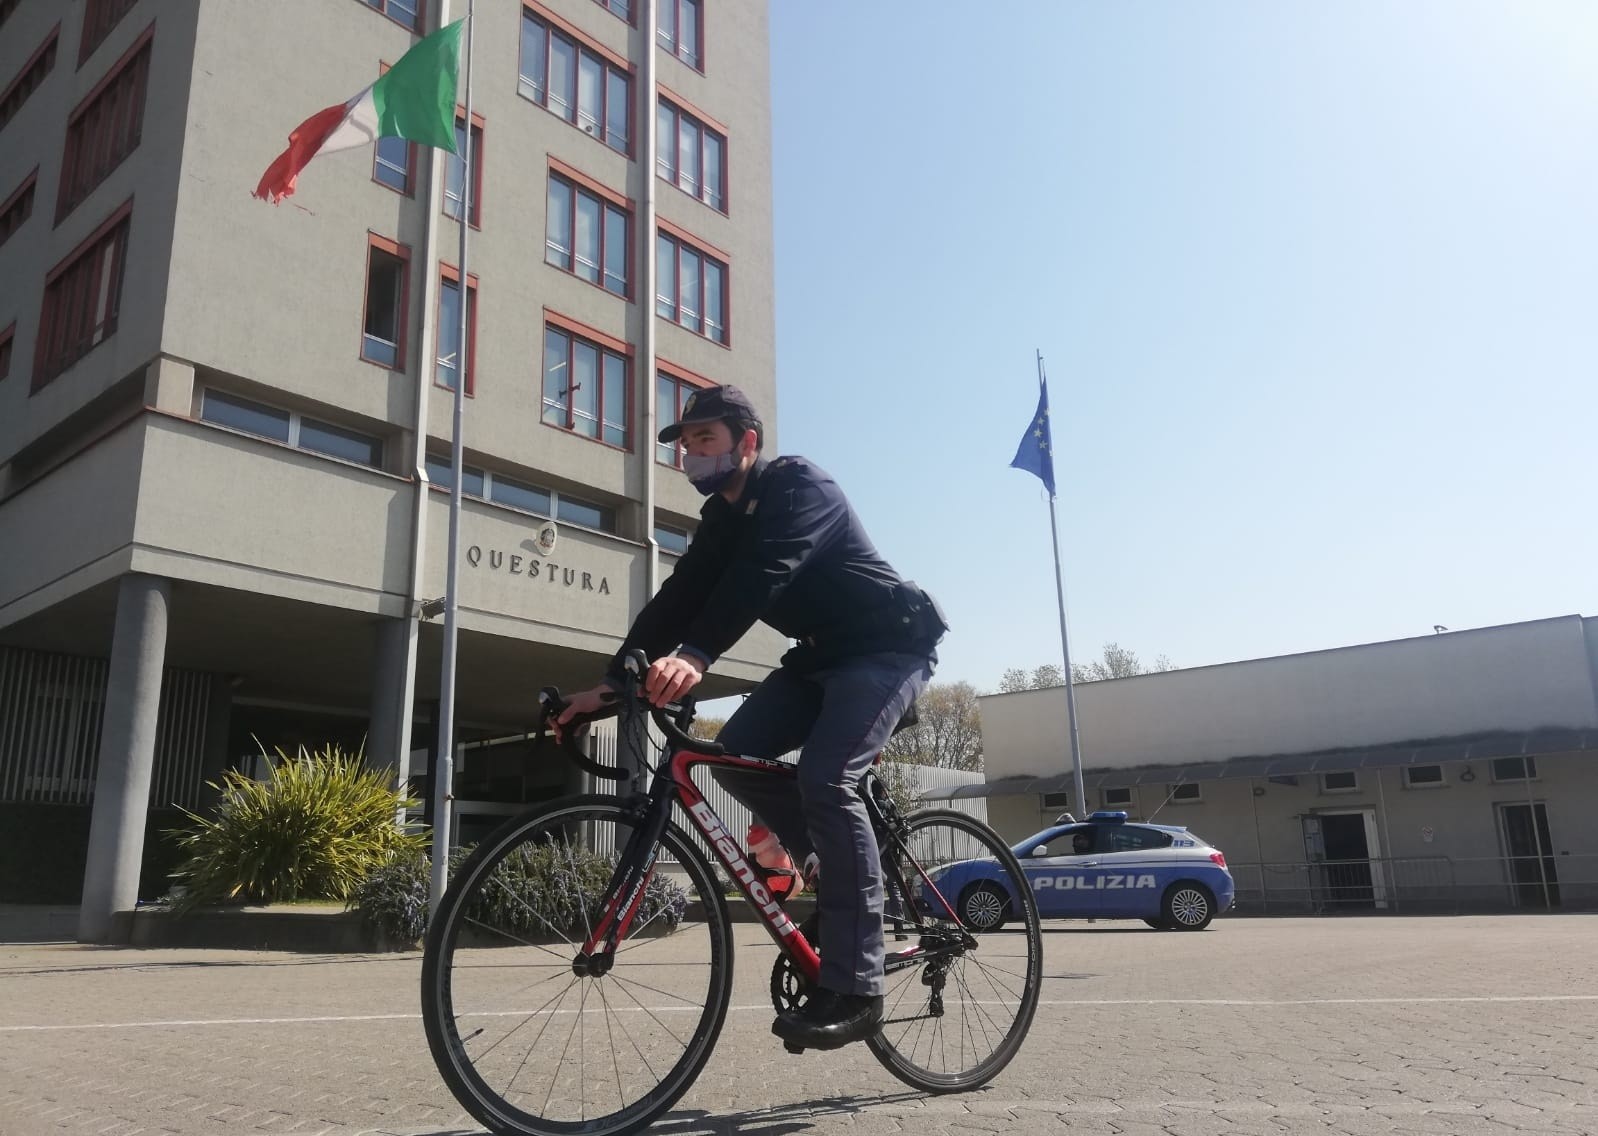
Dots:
pixel 594 1009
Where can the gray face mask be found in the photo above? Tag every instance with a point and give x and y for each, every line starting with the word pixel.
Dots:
pixel 709 474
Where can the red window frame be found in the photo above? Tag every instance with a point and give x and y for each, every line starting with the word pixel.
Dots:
pixel 684 382
pixel 575 330
pixel 675 48
pixel 479 129
pixel 578 182
pixel 16 210
pixel 33 73
pixel 385 8
pixel 629 17
pixel 403 254
pixel 7 338
pixel 448 273
pixel 82 298
pixel 679 238
pixel 610 60
pixel 99 18
pixel 680 109
pixel 106 126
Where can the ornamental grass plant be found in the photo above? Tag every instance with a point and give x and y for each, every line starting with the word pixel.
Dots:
pixel 314 829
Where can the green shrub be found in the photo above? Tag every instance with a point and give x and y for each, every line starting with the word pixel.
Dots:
pixel 314 830
pixel 533 894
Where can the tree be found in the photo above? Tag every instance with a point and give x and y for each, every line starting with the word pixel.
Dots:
pixel 1117 662
pixel 707 728
pixel 948 733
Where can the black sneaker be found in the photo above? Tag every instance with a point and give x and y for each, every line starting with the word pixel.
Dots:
pixel 830 1020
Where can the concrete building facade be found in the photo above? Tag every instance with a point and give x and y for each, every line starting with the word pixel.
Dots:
pixel 1443 772
pixel 224 426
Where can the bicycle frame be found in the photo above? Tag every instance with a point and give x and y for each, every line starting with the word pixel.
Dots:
pixel 673 781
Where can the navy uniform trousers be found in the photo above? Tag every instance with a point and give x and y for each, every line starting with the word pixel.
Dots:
pixel 839 718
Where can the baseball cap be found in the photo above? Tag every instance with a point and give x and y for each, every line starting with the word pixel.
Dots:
pixel 711 404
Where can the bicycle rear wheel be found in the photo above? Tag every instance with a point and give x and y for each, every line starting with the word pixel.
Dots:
pixel 959 1004
pixel 528 1043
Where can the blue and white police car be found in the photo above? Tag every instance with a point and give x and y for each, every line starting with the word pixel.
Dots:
pixel 1102 868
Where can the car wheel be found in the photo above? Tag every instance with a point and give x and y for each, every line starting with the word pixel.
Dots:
pixel 1188 906
pixel 1158 924
pixel 984 907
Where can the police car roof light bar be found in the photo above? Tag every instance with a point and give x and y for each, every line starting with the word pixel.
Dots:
pixel 1108 816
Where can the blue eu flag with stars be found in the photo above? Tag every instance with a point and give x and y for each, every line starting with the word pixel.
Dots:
pixel 1035 454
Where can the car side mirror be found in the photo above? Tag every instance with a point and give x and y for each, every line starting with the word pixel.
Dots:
pixel 1040 850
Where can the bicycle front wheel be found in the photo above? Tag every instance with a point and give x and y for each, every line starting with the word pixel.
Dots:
pixel 529 1042
pixel 959 1004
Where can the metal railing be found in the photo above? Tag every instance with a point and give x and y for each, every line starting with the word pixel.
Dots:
pixel 1418 885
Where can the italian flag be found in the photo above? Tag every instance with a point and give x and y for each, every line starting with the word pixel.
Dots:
pixel 414 100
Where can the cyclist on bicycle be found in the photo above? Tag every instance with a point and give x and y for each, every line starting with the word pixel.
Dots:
pixel 779 542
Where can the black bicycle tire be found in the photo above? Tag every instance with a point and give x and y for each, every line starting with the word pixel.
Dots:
pixel 924 1079
pixel 497 1114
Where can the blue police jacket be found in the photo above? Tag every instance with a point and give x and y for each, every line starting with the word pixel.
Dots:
pixel 791 552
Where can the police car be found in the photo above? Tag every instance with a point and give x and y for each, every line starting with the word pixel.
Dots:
pixel 1101 868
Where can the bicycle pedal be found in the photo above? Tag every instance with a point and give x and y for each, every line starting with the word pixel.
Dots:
pixel 793 1047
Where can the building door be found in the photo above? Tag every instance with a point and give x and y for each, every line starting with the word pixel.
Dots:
pixel 1339 846
pixel 1529 854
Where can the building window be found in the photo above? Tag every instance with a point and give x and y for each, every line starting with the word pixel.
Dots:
pixel 1187 791
pixel 6 8
pixel 393 163
pixel 82 298
pixel 292 429
pixel 1342 781
pixel 388 268
pixel 28 79
pixel 1514 769
pixel 1422 776
pixel 691 156
pixel 586 235
pixel 1115 797
pixel 671 391
pixel 449 331
pixel 105 128
pixel 455 172
pixel 671 539
pixel 18 207
pixel 7 337
pixel 406 13
pixel 99 17
pixel 622 8
pixel 502 490
pixel 585 387
pixel 1049 801
pixel 576 82
pixel 681 31
pixel 691 288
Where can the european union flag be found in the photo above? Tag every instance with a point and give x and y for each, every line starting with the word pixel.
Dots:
pixel 1035 454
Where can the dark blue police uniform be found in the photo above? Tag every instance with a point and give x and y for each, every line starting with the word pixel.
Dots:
pixel 791 552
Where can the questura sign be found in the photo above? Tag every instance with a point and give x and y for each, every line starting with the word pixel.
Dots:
pixel 533 568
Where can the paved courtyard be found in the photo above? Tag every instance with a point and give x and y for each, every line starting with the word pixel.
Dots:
pixel 1355 1025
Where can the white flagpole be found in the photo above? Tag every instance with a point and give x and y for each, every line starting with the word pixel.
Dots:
pixel 1080 796
pixel 444 762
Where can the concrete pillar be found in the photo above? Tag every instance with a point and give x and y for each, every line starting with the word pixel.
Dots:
pixel 169 385
pixel 127 755
pixel 389 702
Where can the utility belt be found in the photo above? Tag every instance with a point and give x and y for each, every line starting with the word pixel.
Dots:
pixel 912 619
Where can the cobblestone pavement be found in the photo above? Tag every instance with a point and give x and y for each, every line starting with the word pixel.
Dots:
pixel 1353 1025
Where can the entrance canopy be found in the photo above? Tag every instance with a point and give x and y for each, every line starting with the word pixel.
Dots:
pixel 1436 751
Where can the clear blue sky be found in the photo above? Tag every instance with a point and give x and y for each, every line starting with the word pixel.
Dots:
pixel 1316 286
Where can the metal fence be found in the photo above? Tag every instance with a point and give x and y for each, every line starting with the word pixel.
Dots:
pixel 1418 885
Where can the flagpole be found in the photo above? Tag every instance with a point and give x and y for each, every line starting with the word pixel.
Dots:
pixel 444 764
pixel 1080 796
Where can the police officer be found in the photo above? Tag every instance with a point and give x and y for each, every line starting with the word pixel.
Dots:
pixel 779 542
